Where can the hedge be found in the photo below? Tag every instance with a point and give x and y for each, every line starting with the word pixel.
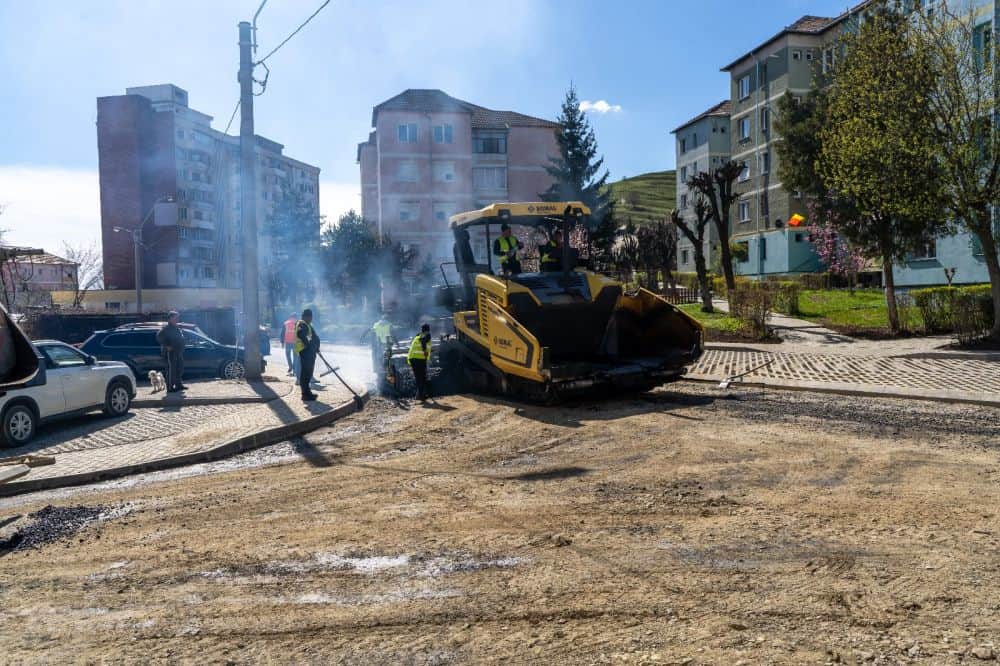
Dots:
pixel 965 311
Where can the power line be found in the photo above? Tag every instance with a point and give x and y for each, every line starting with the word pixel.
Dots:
pixel 232 117
pixel 294 32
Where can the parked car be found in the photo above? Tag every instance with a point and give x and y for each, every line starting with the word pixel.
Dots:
pixel 136 346
pixel 67 382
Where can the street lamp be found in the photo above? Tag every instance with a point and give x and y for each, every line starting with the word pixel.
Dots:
pixel 138 247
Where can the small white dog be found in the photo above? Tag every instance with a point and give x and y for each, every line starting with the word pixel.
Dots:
pixel 157 380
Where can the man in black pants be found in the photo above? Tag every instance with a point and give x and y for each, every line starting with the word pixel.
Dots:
pixel 171 340
pixel 307 347
pixel 419 356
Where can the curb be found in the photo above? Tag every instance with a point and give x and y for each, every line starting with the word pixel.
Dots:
pixel 950 397
pixel 224 450
pixel 170 401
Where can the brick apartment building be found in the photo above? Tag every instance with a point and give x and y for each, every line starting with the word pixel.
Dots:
pixel 152 145
pixel 431 156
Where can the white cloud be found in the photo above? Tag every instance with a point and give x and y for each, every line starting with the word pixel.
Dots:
pixel 600 106
pixel 335 199
pixel 45 206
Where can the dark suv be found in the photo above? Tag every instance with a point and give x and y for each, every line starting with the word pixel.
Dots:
pixel 136 346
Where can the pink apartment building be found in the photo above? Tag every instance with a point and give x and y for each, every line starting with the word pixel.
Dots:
pixel 431 156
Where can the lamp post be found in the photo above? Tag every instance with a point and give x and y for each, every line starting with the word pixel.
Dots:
pixel 138 247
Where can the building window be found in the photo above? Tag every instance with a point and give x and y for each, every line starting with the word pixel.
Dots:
pixel 829 59
pixel 684 201
pixel 763 248
pixel 694 140
pixel 744 128
pixel 182 232
pixel 182 213
pixel 444 172
pixel 489 145
pixel 925 252
pixel 799 237
pixel 694 168
pixel 765 120
pixel 745 174
pixel 764 207
pixel 684 145
pixel 796 54
pixel 797 194
pixel 407 133
pixel 744 211
pixel 684 257
pixel 180 134
pixel 406 172
pixel 809 55
pixel 684 174
pixel 443 134
pixel 489 178
pixel 744 86
pixel 765 162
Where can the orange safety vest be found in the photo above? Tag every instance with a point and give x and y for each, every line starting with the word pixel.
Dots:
pixel 290 331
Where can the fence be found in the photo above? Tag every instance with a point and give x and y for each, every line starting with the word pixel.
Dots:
pixel 74 327
pixel 682 296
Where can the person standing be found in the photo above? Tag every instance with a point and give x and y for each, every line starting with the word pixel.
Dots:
pixel 381 340
pixel 306 347
pixel 171 341
pixel 418 358
pixel 288 339
pixel 506 247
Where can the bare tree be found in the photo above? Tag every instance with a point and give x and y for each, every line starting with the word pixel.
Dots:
pixel 717 190
pixel 695 233
pixel 89 273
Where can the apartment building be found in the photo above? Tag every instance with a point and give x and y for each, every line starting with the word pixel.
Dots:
pixel 788 62
pixel 702 144
pixel 161 162
pixel 431 155
pixel 28 280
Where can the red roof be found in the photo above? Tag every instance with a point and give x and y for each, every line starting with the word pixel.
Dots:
pixel 723 108
pixel 437 101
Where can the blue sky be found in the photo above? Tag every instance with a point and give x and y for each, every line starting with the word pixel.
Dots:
pixel 656 60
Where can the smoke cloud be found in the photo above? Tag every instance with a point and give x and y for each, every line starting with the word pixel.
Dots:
pixel 600 106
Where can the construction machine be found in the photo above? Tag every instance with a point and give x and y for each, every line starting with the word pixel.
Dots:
pixel 553 334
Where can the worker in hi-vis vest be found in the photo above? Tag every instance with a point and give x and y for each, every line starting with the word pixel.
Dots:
pixel 419 356
pixel 550 255
pixel 381 340
pixel 506 247
pixel 288 340
pixel 306 348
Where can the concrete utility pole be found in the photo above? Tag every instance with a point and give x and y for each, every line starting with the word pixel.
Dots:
pixel 248 207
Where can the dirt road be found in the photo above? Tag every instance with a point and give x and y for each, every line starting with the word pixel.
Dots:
pixel 688 526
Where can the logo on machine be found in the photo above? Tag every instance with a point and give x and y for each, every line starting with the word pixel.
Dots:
pixel 500 342
pixel 531 209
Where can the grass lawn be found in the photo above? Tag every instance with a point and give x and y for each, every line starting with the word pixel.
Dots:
pixel 657 196
pixel 719 326
pixel 863 313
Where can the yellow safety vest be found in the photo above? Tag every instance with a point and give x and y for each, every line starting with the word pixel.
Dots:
pixel 382 331
pixel 417 350
pixel 506 245
pixel 299 345
pixel 549 256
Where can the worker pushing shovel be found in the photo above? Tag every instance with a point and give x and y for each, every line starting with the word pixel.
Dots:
pixel 330 369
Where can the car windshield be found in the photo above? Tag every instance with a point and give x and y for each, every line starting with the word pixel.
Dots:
pixel 61 356
pixel 195 339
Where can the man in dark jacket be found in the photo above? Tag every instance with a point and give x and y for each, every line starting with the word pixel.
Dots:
pixel 171 340
pixel 307 347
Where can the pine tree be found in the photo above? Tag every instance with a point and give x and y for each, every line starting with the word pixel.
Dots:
pixel 578 176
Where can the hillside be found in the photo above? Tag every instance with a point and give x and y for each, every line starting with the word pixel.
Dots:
pixel 655 195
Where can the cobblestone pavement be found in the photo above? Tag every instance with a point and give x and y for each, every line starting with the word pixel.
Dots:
pixel 201 390
pixel 93 443
pixel 920 377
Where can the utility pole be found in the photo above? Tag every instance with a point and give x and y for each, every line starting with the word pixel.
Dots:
pixel 248 207
pixel 137 260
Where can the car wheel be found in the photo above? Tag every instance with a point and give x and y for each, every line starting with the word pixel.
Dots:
pixel 19 423
pixel 233 370
pixel 117 400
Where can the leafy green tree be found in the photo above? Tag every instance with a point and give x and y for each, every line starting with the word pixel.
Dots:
pixel 876 148
pixel 293 233
pixel 962 105
pixel 577 175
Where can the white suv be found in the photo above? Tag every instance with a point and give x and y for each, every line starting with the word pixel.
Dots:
pixel 68 383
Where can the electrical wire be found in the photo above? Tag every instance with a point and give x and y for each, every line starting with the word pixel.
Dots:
pixel 232 117
pixel 294 32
